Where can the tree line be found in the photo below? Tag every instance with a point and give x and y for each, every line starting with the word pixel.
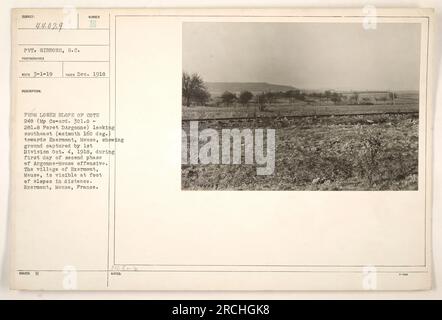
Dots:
pixel 194 91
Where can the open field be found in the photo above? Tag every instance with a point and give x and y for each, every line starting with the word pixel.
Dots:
pixel 349 152
pixel 281 110
pixel 404 102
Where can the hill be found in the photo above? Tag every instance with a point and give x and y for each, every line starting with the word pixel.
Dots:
pixel 217 88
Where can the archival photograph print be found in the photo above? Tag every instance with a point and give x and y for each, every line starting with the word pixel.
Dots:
pixel 300 106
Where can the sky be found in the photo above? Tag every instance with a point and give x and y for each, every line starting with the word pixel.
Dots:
pixel 341 56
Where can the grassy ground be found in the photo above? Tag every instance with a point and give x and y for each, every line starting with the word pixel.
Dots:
pixel 279 110
pixel 352 152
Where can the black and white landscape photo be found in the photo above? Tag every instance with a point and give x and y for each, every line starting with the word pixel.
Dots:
pixel 300 106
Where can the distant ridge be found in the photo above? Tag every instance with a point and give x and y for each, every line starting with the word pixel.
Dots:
pixel 217 88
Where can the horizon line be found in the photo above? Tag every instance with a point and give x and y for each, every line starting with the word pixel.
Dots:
pixel 317 88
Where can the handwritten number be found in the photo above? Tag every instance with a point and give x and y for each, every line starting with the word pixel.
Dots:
pixel 49 26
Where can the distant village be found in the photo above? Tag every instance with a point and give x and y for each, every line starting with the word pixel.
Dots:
pixel 296 96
